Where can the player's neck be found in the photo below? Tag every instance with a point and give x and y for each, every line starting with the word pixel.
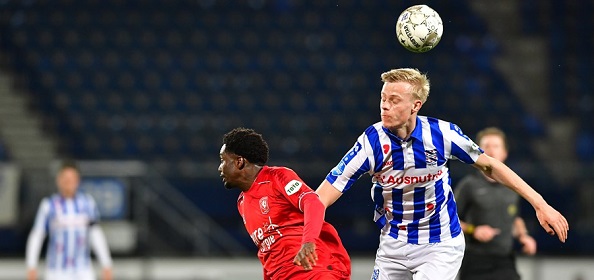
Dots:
pixel 251 173
pixel 405 131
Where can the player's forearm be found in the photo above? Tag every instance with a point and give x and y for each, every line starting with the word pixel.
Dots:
pixel 501 173
pixel 313 211
pixel 34 243
pixel 328 194
pixel 504 175
pixel 99 245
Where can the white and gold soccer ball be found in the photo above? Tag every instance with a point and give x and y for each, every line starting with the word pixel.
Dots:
pixel 419 28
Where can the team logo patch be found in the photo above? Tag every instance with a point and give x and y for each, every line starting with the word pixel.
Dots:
pixel 264 208
pixel 337 171
pixel 431 157
pixel 380 210
pixel 386 148
pixel 476 147
pixel 293 187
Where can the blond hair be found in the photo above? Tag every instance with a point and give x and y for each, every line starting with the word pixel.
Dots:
pixel 418 81
pixel 492 131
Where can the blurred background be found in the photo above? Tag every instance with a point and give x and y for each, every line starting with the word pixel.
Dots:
pixel 141 92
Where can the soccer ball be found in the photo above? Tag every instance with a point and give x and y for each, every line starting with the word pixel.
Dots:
pixel 419 28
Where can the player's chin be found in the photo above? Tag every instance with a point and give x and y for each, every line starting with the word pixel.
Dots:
pixel 387 120
pixel 387 123
pixel 228 186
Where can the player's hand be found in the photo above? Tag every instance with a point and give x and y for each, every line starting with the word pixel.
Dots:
pixel 553 222
pixel 32 274
pixel 107 273
pixel 307 256
pixel 528 244
pixel 485 233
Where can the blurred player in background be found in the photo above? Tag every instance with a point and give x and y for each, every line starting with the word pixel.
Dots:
pixel 283 216
pixel 489 218
pixel 71 220
pixel 407 155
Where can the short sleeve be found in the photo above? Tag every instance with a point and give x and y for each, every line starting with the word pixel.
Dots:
pixel 94 214
pixel 291 186
pixel 350 168
pixel 42 217
pixel 462 147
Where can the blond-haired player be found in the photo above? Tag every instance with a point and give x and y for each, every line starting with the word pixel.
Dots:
pixel 406 156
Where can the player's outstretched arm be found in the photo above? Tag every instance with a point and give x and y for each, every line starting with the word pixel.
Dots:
pixel 328 194
pixel 313 212
pixel 550 219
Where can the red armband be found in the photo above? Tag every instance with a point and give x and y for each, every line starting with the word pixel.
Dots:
pixel 313 211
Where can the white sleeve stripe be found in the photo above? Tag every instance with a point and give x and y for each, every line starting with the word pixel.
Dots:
pixel 301 197
pixel 99 246
pixel 34 243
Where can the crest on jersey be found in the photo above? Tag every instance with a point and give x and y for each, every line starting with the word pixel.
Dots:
pixel 264 207
pixel 386 148
pixel 431 157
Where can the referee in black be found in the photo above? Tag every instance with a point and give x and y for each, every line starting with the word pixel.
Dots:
pixel 489 218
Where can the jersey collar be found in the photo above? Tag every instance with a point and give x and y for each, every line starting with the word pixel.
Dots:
pixel 417 133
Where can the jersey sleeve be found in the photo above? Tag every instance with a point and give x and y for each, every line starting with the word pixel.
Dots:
pixel 462 147
pixel 94 215
pixel 350 168
pixel 291 186
pixel 37 234
pixel 42 217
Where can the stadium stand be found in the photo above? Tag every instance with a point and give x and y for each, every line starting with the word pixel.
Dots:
pixel 160 81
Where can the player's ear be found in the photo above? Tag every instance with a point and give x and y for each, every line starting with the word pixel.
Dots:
pixel 240 163
pixel 417 106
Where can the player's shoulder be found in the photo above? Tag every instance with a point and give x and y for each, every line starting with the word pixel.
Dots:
pixel 373 128
pixel 82 195
pixel 279 170
pixel 441 123
pixel 447 128
pixel 47 201
pixel 284 177
pixel 51 198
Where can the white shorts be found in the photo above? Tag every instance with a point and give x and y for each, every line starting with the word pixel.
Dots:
pixel 87 274
pixel 397 260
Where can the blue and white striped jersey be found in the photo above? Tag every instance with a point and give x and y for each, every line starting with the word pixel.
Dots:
pixel 411 187
pixel 67 221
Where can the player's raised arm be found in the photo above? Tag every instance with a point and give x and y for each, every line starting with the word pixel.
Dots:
pixel 550 219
